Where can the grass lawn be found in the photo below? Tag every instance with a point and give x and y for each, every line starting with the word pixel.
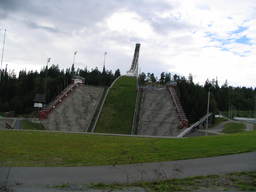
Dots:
pixel 243 181
pixel 233 128
pixel 32 148
pixel 217 121
pixel 117 112
pixel 25 124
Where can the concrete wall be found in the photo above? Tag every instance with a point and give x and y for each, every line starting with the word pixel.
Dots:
pixel 76 111
pixel 157 114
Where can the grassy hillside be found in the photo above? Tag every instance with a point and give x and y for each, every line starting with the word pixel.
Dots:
pixel 117 112
pixel 234 127
pixel 25 124
pixel 33 148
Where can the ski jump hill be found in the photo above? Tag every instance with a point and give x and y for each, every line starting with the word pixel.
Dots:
pixel 124 108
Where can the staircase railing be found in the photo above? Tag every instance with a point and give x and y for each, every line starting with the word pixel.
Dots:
pixel 43 114
pixel 182 117
pixel 194 126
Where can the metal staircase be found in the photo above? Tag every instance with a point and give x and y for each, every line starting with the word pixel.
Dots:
pixel 182 116
pixel 43 114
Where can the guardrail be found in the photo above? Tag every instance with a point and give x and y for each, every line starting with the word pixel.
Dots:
pixel 43 114
pixel 195 125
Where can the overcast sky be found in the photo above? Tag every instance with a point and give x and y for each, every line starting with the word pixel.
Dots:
pixel 207 38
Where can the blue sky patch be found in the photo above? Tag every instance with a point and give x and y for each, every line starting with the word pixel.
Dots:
pixel 225 41
pixel 239 30
pixel 243 40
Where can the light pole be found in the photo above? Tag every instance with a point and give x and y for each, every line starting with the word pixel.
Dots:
pixel 74 57
pixel 73 66
pixel 208 106
pixel 2 57
pixel 104 62
pixel 46 76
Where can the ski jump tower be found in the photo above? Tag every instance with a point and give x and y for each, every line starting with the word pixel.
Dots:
pixel 134 68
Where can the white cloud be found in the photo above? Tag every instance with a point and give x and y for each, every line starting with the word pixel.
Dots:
pixel 190 36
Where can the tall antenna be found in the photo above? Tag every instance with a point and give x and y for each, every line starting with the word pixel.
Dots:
pixel 2 55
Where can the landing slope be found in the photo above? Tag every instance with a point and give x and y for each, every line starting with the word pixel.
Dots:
pixel 118 110
pixel 157 115
pixel 76 111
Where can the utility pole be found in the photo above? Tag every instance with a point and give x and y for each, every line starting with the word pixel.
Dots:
pixel 2 57
pixel 208 106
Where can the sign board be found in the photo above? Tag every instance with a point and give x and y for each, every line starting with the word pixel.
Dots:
pixel 38 105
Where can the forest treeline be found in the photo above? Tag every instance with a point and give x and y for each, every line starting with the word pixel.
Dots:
pixel 17 92
pixel 193 96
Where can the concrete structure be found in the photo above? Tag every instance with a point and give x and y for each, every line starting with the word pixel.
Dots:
pixel 157 113
pixel 7 123
pixel 76 111
pixel 78 79
pixel 134 67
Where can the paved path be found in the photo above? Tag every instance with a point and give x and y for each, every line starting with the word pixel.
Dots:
pixel 30 176
pixel 249 127
pixel 220 126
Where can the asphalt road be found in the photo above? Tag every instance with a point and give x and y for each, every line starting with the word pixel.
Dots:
pixel 44 176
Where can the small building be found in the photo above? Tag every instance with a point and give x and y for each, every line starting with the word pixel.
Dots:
pixel 39 101
pixel 78 79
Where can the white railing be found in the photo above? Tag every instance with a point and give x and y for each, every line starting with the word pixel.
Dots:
pixel 195 125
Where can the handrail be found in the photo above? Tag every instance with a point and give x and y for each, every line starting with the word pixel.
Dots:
pixel 189 129
pixel 61 95
pixel 43 114
pixel 103 102
pixel 181 114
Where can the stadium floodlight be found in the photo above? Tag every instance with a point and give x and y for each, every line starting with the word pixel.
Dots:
pixel 104 61
pixel 46 76
pixel 2 57
pixel 208 106
pixel 74 56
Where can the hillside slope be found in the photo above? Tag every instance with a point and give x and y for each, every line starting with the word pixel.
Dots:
pixel 118 109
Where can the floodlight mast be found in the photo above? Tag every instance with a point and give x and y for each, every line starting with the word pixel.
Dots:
pixel 46 76
pixel 208 106
pixel 104 61
pixel 2 57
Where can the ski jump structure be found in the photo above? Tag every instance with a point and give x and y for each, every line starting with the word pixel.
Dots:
pixel 134 67
pixel 133 72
